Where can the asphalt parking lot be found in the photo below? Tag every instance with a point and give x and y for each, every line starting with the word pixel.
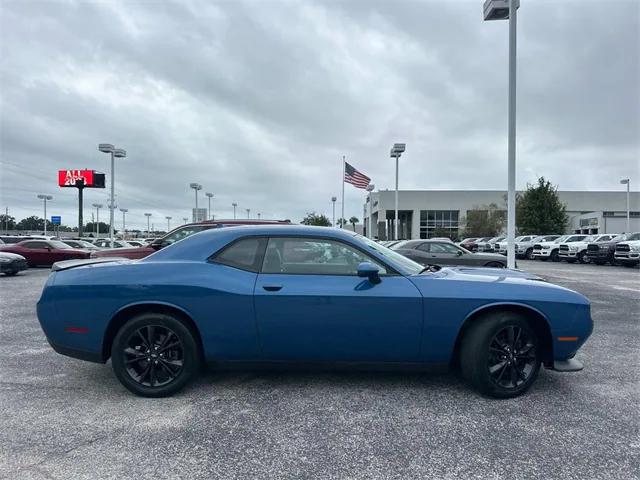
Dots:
pixel 64 418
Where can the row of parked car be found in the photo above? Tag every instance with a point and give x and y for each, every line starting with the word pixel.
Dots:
pixel 623 249
pixel 19 252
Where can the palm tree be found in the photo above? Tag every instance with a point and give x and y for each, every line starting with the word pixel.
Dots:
pixel 353 221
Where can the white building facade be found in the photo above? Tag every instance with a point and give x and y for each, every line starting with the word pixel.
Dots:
pixel 422 212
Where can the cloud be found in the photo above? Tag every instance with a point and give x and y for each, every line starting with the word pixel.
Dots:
pixel 258 101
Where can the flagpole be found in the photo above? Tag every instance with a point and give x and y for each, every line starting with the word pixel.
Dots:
pixel 342 217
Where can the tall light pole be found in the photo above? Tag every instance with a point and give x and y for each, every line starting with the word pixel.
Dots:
pixel 168 223
pixel 148 215
pixel 97 206
pixel 196 187
pixel 185 219
pixel 624 181
pixel 501 10
pixel 124 223
pixel 44 198
pixel 259 215
pixel 115 153
pixel 333 200
pixel 370 189
pixel 209 196
pixel 248 213
pixel 234 205
pixel 396 151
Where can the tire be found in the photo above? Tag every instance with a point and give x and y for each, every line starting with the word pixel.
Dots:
pixel 489 366
pixel 175 355
pixel 555 257
pixel 582 257
pixel 529 254
pixel 11 273
pixel 495 265
pixel 599 262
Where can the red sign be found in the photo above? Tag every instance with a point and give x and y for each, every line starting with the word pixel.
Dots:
pixel 68 178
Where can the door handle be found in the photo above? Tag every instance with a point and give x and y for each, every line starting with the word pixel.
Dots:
pixel 272 288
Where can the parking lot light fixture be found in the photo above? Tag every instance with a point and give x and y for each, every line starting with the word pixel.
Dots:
pixel 124 223
pixel 502 10
pixel 44 198
pixel 148 215
pixel 234 205
pixel 209 196
pixel 97 206
pixel 259 214
pixel 168 223
pixel 333 200
pixel 248 213
pixel 626 181
pixel 196 187
pixel 370 188
pixel 396 151
pixel 115 153
pixel 185 219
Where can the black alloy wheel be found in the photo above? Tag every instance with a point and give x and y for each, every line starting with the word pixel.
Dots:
pixel 500 354
pixel 582 257
pixel 512 358
pixel 155 355
pixel 555 256
pixel 529 254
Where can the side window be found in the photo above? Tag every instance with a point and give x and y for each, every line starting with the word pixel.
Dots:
pixel 424 247
pixel 35 245
pixel 312 256
pixel 443 248
pixel 244 254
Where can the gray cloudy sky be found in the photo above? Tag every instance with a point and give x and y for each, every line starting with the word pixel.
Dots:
pixel 259 100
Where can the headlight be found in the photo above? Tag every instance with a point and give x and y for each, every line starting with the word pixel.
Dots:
pixel 635 248
pixel 573 248
pixel 546 247
pixel 4 260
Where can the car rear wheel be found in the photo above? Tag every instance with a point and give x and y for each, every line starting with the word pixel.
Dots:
pixel 582 258
pixel 500 355
pixel 495 265
pixel 154 355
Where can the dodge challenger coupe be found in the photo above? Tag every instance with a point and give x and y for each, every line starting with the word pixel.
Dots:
pixel 308 295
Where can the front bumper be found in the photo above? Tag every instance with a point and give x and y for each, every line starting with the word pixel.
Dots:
pixel 13 266
pixel 628 257
pixel 599 255
pixel 567 254
pixel 542 253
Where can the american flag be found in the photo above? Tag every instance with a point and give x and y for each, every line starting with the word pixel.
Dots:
pixel 354 177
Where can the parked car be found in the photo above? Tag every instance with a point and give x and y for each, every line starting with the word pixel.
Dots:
pixel 136 243
pixel 433 252
pixel 469 244
pixel 524 246
pixel 179 233
pixel 628 253
pixel 12 263
pixel 548 249
pixel 603 252
pixel 490 245
pixel 44 252
pixel 80 244
pixel 314 294
pixel 577 251
pixel 7 239
pixel 104 243
pixel 481 244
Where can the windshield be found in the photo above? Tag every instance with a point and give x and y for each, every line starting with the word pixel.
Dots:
pixel 634 236
pixel 410 266
pixel 561 239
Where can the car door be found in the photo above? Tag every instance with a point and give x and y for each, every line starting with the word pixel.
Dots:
pixel 447 254
pixel 418 253
pixel 36 252
pixel 311 305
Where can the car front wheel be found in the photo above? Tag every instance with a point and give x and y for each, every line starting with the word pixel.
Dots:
pixel 500 355
pixel 154 355
pixel 529 254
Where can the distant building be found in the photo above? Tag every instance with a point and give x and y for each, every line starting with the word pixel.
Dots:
pixel 422 212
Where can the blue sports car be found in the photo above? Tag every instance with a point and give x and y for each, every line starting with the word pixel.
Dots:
pixel 295 294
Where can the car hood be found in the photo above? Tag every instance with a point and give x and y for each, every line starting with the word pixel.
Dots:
pixel 493 284
pixel 12 256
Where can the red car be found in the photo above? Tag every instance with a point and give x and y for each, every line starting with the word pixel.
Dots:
pixel 44 252
pixel 179 233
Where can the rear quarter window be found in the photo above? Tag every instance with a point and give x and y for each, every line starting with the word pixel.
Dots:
pixel 245 254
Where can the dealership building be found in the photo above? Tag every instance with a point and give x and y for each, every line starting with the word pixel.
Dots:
pixel 423 212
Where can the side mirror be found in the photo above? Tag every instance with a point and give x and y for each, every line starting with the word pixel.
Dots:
pixel 370 271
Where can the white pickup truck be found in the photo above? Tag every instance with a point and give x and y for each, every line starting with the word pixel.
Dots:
pixel 524 248
pixel 577 251
pixel 628 253
pixel 501 246
pixel 550 250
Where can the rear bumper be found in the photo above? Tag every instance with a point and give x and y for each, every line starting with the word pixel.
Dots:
pixel 76 353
